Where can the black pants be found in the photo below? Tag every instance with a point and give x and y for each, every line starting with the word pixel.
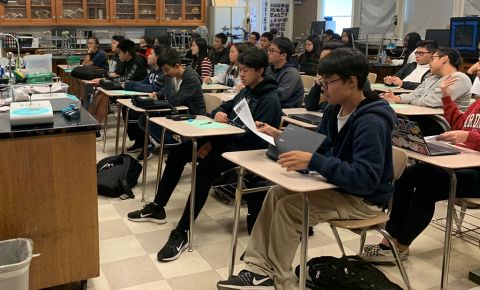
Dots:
pixel 416 193
pixel 133 131
pixel 208 170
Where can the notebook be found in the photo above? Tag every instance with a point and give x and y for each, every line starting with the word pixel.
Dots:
pixel 295 138
pixel 409 136
pixel 307 118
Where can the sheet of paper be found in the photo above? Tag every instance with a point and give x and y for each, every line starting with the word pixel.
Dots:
pixel 476 86
pixel 243 112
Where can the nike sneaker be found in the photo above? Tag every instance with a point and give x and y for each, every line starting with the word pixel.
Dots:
pixel 149 213
pixel 176 244
pixel 247 280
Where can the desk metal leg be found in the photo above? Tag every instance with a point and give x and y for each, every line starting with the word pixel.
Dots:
pixel 160 159
pixel 192 193
pixel 236 220
pixel 304 244
pixel 448 229
pixel 145 159
pixel 119 109
pixel 105 126
pixel 125 128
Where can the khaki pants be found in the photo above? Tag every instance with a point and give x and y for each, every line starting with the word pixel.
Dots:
pixel 98 108
pixel 277 231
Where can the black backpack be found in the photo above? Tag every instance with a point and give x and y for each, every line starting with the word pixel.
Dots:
pixel 116 175
pixel 148 103
pixel 88 72
pixel 346 273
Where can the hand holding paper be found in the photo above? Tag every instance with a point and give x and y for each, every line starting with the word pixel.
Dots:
pixel 243 112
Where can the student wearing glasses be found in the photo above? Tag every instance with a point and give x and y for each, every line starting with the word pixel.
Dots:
pixel 356 157
pixel 285 71
pixel 95 55
pixel 414 73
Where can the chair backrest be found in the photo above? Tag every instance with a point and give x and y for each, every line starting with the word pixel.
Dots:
pixel 400 159
pixel 308 82
pixel 372 77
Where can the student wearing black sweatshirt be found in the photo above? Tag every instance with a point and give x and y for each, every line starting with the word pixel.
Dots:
pixel 133 68
pixel 260 92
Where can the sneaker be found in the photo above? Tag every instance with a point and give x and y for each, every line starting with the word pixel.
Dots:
pixel 246 280
pixel 149 213
pixel 135 148
pixel 381 254
pixel 176 244
pixel 150 149
pixel 99 136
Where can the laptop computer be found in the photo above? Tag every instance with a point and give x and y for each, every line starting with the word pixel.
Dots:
pixel 295 138
pixel 409 136
pixel 307 118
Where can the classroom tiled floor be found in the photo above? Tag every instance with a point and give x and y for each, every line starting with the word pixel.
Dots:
pixel 128 250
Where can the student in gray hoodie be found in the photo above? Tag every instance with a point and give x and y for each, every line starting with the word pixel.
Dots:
pixel 285 72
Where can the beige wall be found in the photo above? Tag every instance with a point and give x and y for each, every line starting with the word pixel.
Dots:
pixel 303 16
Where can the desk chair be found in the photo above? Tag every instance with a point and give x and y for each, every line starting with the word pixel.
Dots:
pixel 376 223
pixel 372 78
pixel 308 82
pixel 459 219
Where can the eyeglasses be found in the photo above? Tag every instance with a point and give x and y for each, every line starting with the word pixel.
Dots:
pixel 325 84
pixel 422 52
pixel 273 51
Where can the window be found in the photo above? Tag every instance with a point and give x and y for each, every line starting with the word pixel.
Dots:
pixel 340 11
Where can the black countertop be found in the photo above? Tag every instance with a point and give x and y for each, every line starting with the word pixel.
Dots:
pixel 60 125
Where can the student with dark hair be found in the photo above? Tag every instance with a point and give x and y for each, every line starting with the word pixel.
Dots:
pixel 265 41
pixel 445 62
pixel 116 67
pixel 347 38
pixel 308 60
pixel 327 35
pixel 422 185
pixel 414 73
pixel 146 47
pixel 133 68
pixel 193 36
pixel 181 87
pixel 254 37
pixel 286 72
pixel 201 62
pixel 356 157
pixel 95 55
pixel 260 92
pixel 410 42
pixel 219 51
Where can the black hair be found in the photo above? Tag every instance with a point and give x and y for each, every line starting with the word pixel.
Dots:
pixel 317 45
pixel 148 40
pixel 284 45
pixel 202 47
pixel 222 37
pixel 158 53
pixel 127 46
pixel 336 36
pixel 430 45
pixel 413 39
pixel 331 45
pixel 329 32
pixel 118 38
pixel 454 56
pixel 257 35
pixel 345 62
pixel 169 56
pixel 268 35
pixel 95 39
pixel 349 35
pixel 254 57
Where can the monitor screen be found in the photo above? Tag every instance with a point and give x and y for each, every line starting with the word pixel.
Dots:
pixel 465 33
pixel 354 30
pixel 318 27
pixel 441 36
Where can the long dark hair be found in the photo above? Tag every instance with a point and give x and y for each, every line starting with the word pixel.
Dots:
pixel 202 53
pixel 317 47
pixel 413 39
pixel 241 48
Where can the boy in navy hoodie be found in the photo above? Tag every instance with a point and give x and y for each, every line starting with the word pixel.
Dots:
pixel 356 157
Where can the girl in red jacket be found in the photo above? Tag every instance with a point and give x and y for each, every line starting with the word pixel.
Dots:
pixel 422 185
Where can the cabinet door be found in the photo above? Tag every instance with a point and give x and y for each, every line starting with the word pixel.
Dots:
pixel 147 10
pixel 42 10
pixel 14 11
pixel 173 10
pixel 124 9
pixel 86 12
pixel 193 10
pixel 71 10
pixel 97 10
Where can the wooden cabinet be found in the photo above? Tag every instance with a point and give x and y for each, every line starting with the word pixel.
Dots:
pixel 103 12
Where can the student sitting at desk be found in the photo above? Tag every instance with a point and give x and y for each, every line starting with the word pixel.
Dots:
pixel 153 82
pixel 133 69
pixel 219 53
pixel 414 73
pixel 115 66
pixel 261 95
pixel 285 71
pixel 356 157
pixel 308 60
pixel 445 62
pixel 230 77
pixel 201 63
pixel 95 55
pixel 422 185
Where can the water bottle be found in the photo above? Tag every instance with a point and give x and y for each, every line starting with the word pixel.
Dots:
pixel 383 56
pixel 2 72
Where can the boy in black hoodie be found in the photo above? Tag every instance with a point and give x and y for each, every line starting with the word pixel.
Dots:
pixel 261 95
pixel 356 157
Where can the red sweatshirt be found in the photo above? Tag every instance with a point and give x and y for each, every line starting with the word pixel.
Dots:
pixel 468 121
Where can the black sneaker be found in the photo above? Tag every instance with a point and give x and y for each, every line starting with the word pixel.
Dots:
pixel 150 149
pixel 149 213
pixel 176 244
pixel 246 280
pixel 135 148
pixel 98 136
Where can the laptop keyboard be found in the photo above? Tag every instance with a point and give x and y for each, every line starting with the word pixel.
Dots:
pixel 434 148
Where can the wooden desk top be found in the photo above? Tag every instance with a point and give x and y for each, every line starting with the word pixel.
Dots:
pixel 222 96
pixel 466 159
pixel 298 122
pixel 62 66
pixel 411 110
pixel 128 103
pixel 121 93
pixel 255 161
pixel 214 87
pixel 188 129
pixel 383 88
